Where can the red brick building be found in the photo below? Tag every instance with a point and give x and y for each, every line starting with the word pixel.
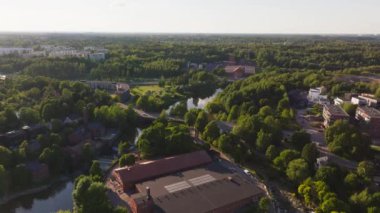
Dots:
pixel 129 176
pixel 191 182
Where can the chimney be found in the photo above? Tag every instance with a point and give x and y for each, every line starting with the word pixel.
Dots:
pixel 148 193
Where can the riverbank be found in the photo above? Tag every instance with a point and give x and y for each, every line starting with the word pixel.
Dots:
pixel 10 197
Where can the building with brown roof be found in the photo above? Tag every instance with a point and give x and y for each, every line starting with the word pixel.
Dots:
pixel 187 183
pixel 369 119
pixel 332 113
pixel 239 71
pixel 129 176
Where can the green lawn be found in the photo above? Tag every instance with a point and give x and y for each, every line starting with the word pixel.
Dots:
pixel 141 90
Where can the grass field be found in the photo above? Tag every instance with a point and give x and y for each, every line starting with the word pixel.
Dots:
pixel 141 90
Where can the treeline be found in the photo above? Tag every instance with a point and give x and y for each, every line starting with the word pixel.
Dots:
pixel 156 56
pixel 28 101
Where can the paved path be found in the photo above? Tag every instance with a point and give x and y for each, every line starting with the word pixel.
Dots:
pixel 317 136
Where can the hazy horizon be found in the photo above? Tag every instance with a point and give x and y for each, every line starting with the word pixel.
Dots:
pixel 305 17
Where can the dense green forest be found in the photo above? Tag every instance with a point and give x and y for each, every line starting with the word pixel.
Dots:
pixel 43 90
pixel 153 56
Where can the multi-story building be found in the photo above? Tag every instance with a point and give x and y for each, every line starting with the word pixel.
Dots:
pixel 369 120
pixel 97 56
pixel 315 96
pixel 365 100
pixel 239 71
pixel 344 99
pixel 332 113
pixel 369 100
pixel 14 50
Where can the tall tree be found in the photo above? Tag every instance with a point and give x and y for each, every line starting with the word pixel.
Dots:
pixel 298 170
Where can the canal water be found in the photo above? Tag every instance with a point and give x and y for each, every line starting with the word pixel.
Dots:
pixel 197 103
pixel 57 197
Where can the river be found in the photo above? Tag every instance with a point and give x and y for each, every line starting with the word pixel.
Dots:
pixel 197 103
pixel 57 197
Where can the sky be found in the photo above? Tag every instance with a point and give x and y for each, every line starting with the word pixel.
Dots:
pixel 192 16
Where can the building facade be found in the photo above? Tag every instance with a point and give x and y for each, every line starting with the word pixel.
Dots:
pixel 332 113
pixel 187 183
pixel 315 96
pixel 369 120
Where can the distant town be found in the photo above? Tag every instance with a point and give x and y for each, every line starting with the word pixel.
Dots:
pixel 51 51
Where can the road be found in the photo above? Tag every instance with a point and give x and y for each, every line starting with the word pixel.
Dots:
pixel 317 136
pixel 339 161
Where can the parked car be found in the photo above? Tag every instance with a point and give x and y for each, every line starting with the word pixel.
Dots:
pixel 246 171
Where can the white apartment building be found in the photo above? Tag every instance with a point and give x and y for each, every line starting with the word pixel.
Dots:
pixel 314 96
pixel 14 50
pixel 365 99
pixel 97 56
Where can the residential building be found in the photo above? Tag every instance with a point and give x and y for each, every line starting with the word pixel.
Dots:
pixel 3 77
pixel 239 71
pixel 35 54
pixel 224 127
pixel 369 100
pixel 190 182
pixel 369 119
pixel 315 96
pixel 357 101
pixel 338 101
pixel 39 171
pixel 365 100
pixel 122 87
pixel 322 161
pixel 97 56
pixel 345 99
pixel 104 85
pixel 14 50
pixel 95 49
pixel 332 113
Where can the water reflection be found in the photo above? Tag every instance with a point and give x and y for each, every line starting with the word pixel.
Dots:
pixel 139 132
pixel 51 200
pixel 197 103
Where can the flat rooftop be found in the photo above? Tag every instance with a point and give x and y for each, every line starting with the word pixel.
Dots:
pixel 202 189
pixel 152 169
pixel 336 110
pixel 372 112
